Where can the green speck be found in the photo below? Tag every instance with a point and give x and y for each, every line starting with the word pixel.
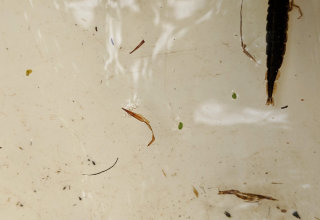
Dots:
pixel 180 126
pixel 234 95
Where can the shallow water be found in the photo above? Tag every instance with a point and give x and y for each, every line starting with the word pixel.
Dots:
pixel 64 119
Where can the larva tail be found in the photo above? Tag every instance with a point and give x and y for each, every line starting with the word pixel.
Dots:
pixel 270 101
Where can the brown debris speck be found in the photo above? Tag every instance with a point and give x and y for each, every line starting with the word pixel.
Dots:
pixel 19 204
pixel 195 191
pixel 164 173
pixel 28 72
pixel 282 210
pixel 227 214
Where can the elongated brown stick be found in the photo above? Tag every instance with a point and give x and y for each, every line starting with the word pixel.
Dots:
pixel 142 119
pixel 102 170
pixel 137 47
pixel 243 45
pixel 250 197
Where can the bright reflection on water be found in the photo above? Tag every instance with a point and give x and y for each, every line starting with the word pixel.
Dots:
pixel 218 114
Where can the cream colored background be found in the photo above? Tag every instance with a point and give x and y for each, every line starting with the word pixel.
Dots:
pixel 69 110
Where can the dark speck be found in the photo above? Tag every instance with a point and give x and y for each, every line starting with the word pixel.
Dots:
pixel 19 204
pixel 284 107
pixel 96 28
pixel 296 214
pixel 227 214
pixel 80 198
pixel 94 163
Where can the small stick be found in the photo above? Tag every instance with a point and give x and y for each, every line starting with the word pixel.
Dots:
pixel 137 47
pixel 102 170
pixel 243 45
pixel 250 197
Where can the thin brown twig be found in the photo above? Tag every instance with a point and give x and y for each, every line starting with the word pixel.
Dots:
pixel 249 197
pixel 142 119
pixel 137 47
pixel 243 45
pixel 102 170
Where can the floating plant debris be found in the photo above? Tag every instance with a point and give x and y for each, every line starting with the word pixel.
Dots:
pixel 296 214
pixel 249 197
pixel 195 191
pixel 234 95
pixel 164 173
pixel 28 72
pixel 142 119
pixel 96 28
pixel 137 47
pixel 243 45
pixel 180 126
pixel 284 107
pixel 282 210
pixel 19 204
pixel 102 170
pixel 227 214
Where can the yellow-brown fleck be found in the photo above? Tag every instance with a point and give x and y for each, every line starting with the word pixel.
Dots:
pixel 195 191
pixel 28 72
